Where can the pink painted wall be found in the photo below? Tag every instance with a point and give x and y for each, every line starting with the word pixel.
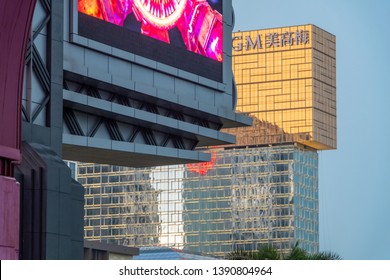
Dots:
pixel 9 218
pixel 15 23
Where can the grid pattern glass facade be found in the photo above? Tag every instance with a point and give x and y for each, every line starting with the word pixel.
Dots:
pixel 286 80
pixel 121 206
pixel 249 197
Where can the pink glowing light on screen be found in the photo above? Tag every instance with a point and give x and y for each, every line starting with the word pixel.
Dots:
pixel 162 14
pixel 199 25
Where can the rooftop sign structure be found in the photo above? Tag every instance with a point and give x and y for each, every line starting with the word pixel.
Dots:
pixel 275 39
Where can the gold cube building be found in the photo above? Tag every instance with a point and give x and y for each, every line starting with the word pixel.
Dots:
pixel 286 80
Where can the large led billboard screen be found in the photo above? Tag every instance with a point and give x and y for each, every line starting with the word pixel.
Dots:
pixel 186 34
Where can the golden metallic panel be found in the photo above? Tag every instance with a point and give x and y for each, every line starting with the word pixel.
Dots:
pixel 286 78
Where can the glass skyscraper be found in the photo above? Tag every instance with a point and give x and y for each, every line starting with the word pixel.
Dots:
pixel 253 196
pixel 247 197
pixel 264 189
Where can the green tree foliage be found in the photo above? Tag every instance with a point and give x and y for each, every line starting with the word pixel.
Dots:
pixel 325 256
pixel 267 252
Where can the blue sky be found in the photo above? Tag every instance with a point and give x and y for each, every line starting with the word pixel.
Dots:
pixel 354 179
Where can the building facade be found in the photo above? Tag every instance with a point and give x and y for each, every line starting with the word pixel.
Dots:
pixel 262 190
pixel 117 82
pixel 286 78
pixel 247 197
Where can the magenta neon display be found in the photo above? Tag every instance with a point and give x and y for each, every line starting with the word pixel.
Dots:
pixel 199 25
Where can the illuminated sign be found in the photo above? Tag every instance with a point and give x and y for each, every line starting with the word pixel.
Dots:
pixel 195 25
pixel 271 40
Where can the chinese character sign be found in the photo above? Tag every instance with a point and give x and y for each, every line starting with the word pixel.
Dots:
pixel 271 40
